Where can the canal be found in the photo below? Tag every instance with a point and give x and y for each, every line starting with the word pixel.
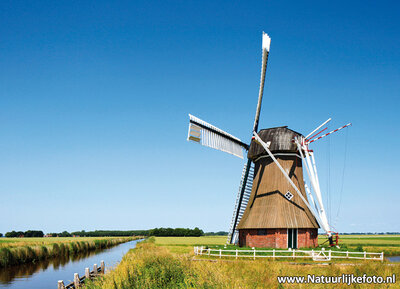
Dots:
pixel 45 274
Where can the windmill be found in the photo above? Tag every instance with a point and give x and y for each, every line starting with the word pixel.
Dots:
pixel 274 206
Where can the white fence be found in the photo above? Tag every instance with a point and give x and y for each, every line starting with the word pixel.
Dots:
pixel 316 255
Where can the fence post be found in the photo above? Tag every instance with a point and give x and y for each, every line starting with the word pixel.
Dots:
pixel 382 256
pixel 95 269
pixel 102 266
pixel 76 280
pixel 236 253
pixel 209 251
pixel 87 273
pixel 273 253
pixel 254 253
pixel 347 254
pixel 330 254
pixel 365 255
pixel 60 284
pixel 220 253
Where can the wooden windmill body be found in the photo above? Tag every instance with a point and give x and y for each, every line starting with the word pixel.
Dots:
pixel 274 207
pixel 275 216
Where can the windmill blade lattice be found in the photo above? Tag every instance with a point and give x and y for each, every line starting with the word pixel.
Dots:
pixel 242 199
pixel 208 135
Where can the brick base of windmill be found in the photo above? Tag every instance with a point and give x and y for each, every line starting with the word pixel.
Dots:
pixel 277 238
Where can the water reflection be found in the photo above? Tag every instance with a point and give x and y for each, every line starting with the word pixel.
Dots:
pixel 8 274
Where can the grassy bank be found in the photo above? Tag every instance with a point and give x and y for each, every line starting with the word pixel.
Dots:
pixel 153 265
pixel 14 251
pixel 389 244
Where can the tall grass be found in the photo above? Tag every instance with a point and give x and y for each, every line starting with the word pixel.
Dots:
pixel 36 250
pixel 152 266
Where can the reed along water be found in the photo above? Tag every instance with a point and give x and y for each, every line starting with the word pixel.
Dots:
pixel 45 274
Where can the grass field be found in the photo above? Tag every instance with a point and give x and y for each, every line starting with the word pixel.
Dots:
pixel 389 244
pixel 186 244
pixel 374 240
pixel 15 251
pixel 168 263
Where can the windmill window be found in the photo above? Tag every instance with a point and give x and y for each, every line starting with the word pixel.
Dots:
pixel 292 238
pixel 289 195
pixel 262 232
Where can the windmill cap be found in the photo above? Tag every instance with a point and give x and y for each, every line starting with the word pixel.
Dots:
pixel 281 139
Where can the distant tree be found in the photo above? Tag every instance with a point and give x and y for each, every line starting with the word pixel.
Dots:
pixel 11 234
pixel 197 232
pixel 181 232
pixel 33 233
pixel 1 235
pixel 65 234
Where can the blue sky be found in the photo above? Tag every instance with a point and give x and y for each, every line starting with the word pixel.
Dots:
pixel 94 97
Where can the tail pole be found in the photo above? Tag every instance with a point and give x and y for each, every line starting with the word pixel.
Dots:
pixel 342 127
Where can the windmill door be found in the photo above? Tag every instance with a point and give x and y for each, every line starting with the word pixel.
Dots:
pixel 292 238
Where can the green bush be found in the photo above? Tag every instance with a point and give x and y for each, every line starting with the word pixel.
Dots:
pixel 44 253
pixel 6 257
pixel 359 248
pixel 56 251
pixel 30 254
pixel 73 248
pixel 63 250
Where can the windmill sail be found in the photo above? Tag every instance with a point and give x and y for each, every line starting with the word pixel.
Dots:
pixel 242 200
pixel 208 135
pixel 248 171
pixel 266 43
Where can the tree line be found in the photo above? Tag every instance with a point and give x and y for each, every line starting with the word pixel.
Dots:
pixel 26 234
pixel 178 232
pixel 110 233
pixel 219 233
pixel 160 232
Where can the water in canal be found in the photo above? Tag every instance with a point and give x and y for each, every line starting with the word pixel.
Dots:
pixel 45 274
pixel 394 258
